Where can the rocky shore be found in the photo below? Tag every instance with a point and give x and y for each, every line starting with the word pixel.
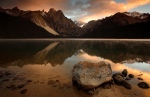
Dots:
pixel 89 77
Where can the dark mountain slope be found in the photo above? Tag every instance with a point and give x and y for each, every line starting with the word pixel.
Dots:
pixel 17 27
pixel 119 25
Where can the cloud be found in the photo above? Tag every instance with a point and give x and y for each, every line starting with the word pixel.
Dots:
pixel 101 8
pixel 83 10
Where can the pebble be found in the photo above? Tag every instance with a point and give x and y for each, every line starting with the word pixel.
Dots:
pixel 23 91
pixel 131 75
pixel 140 78
pixel 50 82
pixel 143 85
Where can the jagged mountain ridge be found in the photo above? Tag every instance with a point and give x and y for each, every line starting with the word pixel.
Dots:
pixel 118 26
pixel 79 23
pixel 53 21
pixel 56 23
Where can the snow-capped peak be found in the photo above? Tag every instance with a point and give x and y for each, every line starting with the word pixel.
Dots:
pixel 136 14
pixel 79 23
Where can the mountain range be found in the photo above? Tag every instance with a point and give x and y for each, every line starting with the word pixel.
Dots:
pixel 16 23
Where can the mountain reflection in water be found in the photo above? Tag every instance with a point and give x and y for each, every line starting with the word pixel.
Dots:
pixel 56 52
pixel 44 60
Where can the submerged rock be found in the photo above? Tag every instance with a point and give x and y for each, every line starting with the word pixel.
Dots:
pixel 125 72
pixel 126 85
pixel 131 75
pixel 119 79
pixel 143 85
pixel 140 78
pixel 89 75
pixel 23 91
pixel 128 78
pixel 1 74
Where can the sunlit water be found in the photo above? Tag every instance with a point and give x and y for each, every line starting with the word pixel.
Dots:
pixel 48 65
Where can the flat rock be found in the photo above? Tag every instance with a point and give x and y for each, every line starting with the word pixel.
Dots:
pixel 90 75
pixel 143 85
pixel 140 78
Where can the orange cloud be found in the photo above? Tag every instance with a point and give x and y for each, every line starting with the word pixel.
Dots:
pixel 100 9
pixel 83 10
pixel 135 3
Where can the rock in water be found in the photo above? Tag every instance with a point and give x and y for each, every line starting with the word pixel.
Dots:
pixel 131 75
pixel 119 79
pixel 126 85
pixel 125 72
pixel 1 74
pixel 90 75
pixel 143 85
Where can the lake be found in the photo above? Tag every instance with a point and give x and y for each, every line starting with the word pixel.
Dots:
pixel 43 68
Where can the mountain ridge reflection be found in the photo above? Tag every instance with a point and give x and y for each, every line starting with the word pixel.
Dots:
pixel 56 52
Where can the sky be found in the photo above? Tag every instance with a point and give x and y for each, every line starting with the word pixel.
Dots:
pixel 81 10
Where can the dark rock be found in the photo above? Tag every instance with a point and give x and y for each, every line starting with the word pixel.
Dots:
pixel 126 85
pixel 118 74
pixel 23 91
pixel 128 78
pixel 118 79
pixel 7 73
pixel 57 81
pixel 12 87
pixel 143 85
pixel 21 85
pixel 50 82
pixel 4 80
pixel 54 85
pixel 131 75
pixel 92 92
pixel 125 72
pixel 29 81
pixel 91 75
pixel 1 74
pixel 106 85
pixel 140 78
pixel 140 74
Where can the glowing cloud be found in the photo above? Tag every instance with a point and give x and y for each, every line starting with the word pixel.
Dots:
pixel 83 10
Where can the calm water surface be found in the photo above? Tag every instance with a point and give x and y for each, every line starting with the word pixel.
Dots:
pixel 48 65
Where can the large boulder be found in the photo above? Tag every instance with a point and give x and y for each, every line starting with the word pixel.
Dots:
pixel 90 75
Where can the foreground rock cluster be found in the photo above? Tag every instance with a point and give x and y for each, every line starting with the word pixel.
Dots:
pixel 89 76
